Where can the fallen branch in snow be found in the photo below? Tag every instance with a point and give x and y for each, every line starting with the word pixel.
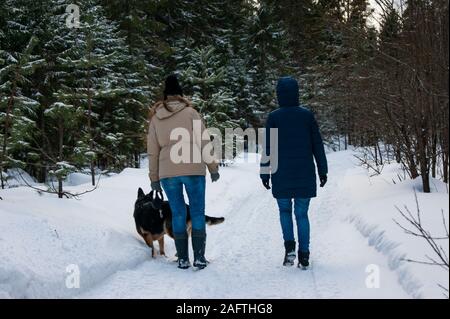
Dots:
pixel 65 193
pixel 89 190
pixel 39 190
pixel 440 259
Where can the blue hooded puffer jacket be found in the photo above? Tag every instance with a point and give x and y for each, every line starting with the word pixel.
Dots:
pixel 299 144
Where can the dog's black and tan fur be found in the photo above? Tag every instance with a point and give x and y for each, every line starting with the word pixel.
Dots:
pixel 153 218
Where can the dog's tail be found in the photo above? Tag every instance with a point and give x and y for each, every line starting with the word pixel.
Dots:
pixel 210 221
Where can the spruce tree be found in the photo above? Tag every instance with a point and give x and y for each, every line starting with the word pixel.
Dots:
pixel 109 94
pixel 203 75
pixel 16 108
pixel 268 58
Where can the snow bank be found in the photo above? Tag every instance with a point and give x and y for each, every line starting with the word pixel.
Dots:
pixel 40 236
pixel 18 177
pixel 76 179
pixel 372 210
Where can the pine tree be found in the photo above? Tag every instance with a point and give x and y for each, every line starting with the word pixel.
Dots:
pixel 18 63
pixel 232 40
pixel 140 24
pixel 203 74
pixel 109 95
pixel 268 58
pixel 89 65
pixel 64 117
pixel 104 74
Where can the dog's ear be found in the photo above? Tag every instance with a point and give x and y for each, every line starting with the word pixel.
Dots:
pixel 140 193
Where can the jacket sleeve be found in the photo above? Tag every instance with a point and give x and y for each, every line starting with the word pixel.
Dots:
pixel 265 156
pixel 153 149
pixel 208 157
pixel 318 148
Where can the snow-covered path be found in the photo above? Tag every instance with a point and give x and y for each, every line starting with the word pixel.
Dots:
pixel 246 252
pixel 353 239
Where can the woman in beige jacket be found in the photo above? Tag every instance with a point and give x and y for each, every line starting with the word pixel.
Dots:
pixel 180 149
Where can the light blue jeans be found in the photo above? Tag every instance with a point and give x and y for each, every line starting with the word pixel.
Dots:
pixel 195 189
pixel 301 206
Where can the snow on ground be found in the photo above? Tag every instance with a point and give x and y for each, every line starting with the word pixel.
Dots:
pixel 372 211
pixel 18 177
pixel 352 228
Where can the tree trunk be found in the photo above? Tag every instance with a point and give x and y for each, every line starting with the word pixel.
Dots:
pixel 426 182
pixel 91 142
pixel 433 155
pixel 445 149
pixel 376 155
pixel 42 174
pixel 137 163
pixel 378 149
pixel 60 154
pixel 424 162
pixel 398 155
pixel 60 187
pixel 445 168
pixel 92 173
pixel 7 125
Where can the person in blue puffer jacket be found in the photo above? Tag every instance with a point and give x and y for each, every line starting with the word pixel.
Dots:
pixel 298 144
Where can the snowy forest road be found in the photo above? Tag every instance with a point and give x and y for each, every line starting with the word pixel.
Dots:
pixel 246 252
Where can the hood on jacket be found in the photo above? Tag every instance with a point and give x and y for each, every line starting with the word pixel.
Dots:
pixel 288 92
pixel 175 105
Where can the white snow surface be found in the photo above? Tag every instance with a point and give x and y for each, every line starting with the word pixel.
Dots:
pixel 352 228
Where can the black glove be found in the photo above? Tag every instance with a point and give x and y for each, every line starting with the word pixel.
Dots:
pixel 323 180
pixel 156 186
pixel 266 183
pixel 215 177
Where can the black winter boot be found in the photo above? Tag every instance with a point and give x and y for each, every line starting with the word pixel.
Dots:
pixel 182 245
pixel 290 256
pixel 199 245
pixel 303 259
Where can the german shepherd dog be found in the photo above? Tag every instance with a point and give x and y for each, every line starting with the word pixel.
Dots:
pixel 153 218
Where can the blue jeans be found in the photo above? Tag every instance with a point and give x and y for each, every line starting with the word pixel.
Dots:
pixel 301 206
pixel 195 189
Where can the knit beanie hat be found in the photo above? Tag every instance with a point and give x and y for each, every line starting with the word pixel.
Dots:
pixel 172 86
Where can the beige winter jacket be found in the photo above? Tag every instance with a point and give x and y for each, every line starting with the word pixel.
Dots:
pixel 175 145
